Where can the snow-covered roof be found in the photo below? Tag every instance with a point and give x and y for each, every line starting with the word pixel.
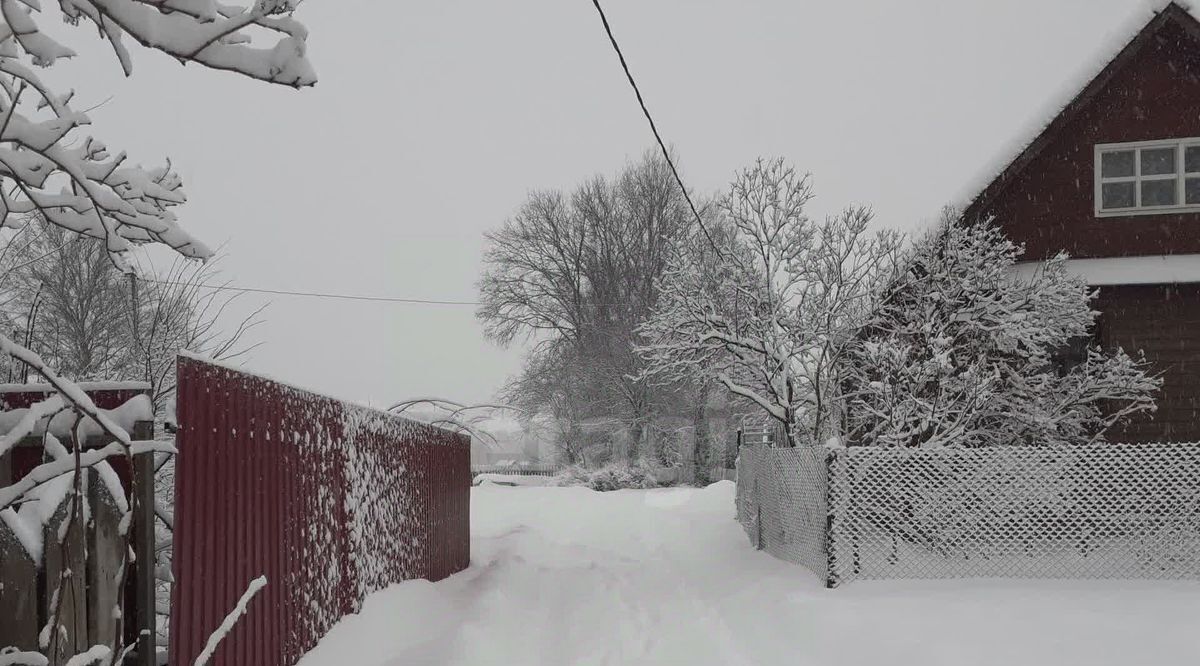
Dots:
pixel 86 386
pixel 62 423
pixel 1159 269
pixel 1121 42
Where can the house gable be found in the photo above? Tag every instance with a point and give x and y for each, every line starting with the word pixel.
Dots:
pixel 1045 198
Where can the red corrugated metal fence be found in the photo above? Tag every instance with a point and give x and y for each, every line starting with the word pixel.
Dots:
pixel 330 501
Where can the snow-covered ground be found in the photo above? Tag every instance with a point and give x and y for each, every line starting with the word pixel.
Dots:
pixel 572 576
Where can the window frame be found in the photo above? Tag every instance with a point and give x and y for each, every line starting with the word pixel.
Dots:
pixel 1180 177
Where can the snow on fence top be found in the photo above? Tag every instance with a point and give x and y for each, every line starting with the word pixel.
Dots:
pixel 357 415
pixel 1097 511
pixel 105 395
pixel 126 415
pixel 85 386
pixel 1112 44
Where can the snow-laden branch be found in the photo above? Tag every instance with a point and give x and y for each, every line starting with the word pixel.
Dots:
pixel 769 317
pixel 75 181
pixel 208 34
pixel 456 416
pixel 50 169
pixel 231 619
pixel 963 352
pixel 46 472
pixel 68 391
pixel 38 411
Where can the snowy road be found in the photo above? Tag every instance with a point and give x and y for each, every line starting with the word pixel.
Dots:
pixel 569 576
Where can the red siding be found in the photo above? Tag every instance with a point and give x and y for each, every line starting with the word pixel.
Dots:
pixel 328 500
pixel 1049 206
pixel 1164 322
pixel 1046 202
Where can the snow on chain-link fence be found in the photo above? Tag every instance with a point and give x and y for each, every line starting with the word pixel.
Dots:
pixel 1103 511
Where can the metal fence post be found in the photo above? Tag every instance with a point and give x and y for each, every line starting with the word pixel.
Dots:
pixel 832 576
pixel 144 615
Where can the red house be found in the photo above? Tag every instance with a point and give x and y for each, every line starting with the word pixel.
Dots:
pixel 1114 180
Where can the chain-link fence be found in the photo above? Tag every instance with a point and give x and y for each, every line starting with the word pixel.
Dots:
pixel 783 502
pixel 1104 511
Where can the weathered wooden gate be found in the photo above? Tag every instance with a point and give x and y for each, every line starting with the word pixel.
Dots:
pixel 37 555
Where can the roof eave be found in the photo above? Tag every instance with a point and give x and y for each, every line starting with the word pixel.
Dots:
pixel 1173 13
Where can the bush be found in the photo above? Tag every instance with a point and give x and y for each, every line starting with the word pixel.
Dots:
pixel 610 477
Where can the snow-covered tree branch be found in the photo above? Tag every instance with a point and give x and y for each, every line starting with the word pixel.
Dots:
pixel 49 169
pixel 471 420
pixel 835 332
pixel 76 182
pixel 771 315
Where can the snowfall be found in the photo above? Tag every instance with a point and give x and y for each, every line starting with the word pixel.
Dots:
pixel 573 576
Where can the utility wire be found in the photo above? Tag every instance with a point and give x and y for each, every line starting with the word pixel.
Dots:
pixel 318 294
pixel 315 294
pixel 422 301
pixel 653 128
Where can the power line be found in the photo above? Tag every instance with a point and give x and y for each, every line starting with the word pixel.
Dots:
pixel 316 294
pixel 423 301
pixel 653 128
pixel 319 294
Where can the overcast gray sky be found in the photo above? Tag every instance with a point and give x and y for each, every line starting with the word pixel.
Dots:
pixel 433 119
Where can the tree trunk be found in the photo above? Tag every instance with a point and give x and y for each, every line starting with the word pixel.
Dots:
pixel 701 446
pixel 641 439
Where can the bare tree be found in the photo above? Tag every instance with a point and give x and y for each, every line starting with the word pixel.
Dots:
pixel 68 302
pixel 186 306
pixel 86 318
pixel 555 387
pixel 78 312
pixel 579 273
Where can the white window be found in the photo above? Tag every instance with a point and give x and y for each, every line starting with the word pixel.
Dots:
pixel 1148 177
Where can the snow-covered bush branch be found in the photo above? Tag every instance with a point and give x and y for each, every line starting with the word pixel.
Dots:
pixel 961 352
pixel 770 315
pixel 50 171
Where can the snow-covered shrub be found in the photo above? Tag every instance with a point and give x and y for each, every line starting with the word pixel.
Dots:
pixel 573 475
pixel 960 351
pixel 616 476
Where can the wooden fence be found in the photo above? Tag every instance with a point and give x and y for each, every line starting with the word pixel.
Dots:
pixel 516 470
pixel 65 563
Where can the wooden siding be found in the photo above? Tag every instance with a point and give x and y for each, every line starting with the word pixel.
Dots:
pixel 1049 204
pixel 1163 321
